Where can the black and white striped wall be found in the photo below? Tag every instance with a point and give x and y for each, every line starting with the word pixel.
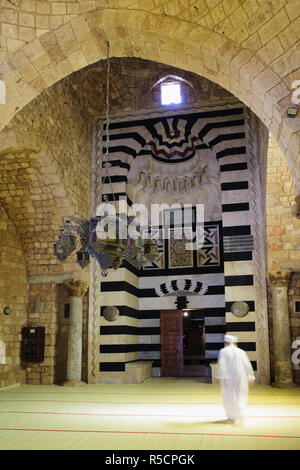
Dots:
pixel 238 241
pixel 136 334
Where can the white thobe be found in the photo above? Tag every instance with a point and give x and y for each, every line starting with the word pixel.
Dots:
pixel 234 372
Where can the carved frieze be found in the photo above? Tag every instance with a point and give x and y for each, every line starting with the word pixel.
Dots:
pixel 195 181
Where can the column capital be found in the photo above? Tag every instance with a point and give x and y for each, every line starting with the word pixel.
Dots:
pixel 76 288
pixel 280 278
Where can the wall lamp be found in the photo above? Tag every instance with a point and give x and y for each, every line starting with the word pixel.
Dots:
pixel 7 310
pixel 292 111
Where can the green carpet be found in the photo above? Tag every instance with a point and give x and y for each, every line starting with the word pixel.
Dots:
pixel 159 414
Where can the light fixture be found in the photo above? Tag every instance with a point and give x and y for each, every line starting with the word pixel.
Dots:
pixel 292 111
pixel 109 249
pixel 6 311
pixel 185 313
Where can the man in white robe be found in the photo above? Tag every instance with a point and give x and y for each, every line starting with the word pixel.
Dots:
pixel 235 373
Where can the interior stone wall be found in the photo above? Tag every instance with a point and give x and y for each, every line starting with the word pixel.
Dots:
pixel 283 230
pixel 60 128
pixel 139 78
pixel 45 173
pixel 14 294
pixel 43 373
pixel 243 277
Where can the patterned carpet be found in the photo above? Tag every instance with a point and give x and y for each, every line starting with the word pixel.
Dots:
pixel 159 414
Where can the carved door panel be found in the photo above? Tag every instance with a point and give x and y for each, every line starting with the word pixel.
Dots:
pixel 171 330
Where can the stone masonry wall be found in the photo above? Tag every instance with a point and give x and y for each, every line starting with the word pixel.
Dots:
pixel 283 229
pixel 52 316
pixel 43 373
pixel 13 293
pixel 39 189
pixel 61 129
pixel 283 232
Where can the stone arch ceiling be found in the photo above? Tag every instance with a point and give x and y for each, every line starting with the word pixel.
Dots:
pixel 29 203
pixel 34 200
pixel 133 86
pixel 38 185
pixel 249 47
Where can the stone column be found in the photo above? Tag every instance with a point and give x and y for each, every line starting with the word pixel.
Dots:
pixel 279 282
pixel 76 290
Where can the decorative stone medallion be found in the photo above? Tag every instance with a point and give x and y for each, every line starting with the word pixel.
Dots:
pixel 239 309
pixel 111 313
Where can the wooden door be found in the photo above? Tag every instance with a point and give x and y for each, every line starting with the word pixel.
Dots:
pixel 171 331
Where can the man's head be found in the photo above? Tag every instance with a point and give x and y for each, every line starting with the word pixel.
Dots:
pixel 228 340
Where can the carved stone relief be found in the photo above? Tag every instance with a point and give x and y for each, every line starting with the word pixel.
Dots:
pixel 195 181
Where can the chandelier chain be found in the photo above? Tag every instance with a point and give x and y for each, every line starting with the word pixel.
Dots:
pixel 106 165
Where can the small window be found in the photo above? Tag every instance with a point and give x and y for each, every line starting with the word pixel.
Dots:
pixel 297 306
pixel 170 93
pixel 67 311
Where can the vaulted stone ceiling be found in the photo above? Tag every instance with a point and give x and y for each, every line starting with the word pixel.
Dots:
pixel 250 47
pixel 131 86
pixel 46 149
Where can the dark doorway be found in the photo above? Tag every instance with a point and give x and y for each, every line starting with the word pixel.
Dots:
pixel 171 337
pixel 193 343
pixel 182 343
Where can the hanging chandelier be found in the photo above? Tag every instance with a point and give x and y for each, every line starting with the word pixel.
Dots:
pixel 100 237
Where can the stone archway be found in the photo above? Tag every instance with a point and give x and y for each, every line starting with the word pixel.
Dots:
pixel 180 39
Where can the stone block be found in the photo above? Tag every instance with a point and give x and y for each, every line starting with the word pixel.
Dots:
pixel 28 6
pixel 87 6
pixel 59 8
pixel 10 30
pixel 138 371
pixel 238 17
pixel 42 22
pixel 257 20
pixel 274 26
pixel 270 51
pixel 26 19
pixel 292 9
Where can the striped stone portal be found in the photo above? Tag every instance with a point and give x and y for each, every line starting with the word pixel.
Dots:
pixel 223 131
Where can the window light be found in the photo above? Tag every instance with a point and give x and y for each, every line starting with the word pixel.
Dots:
pixel 170 93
